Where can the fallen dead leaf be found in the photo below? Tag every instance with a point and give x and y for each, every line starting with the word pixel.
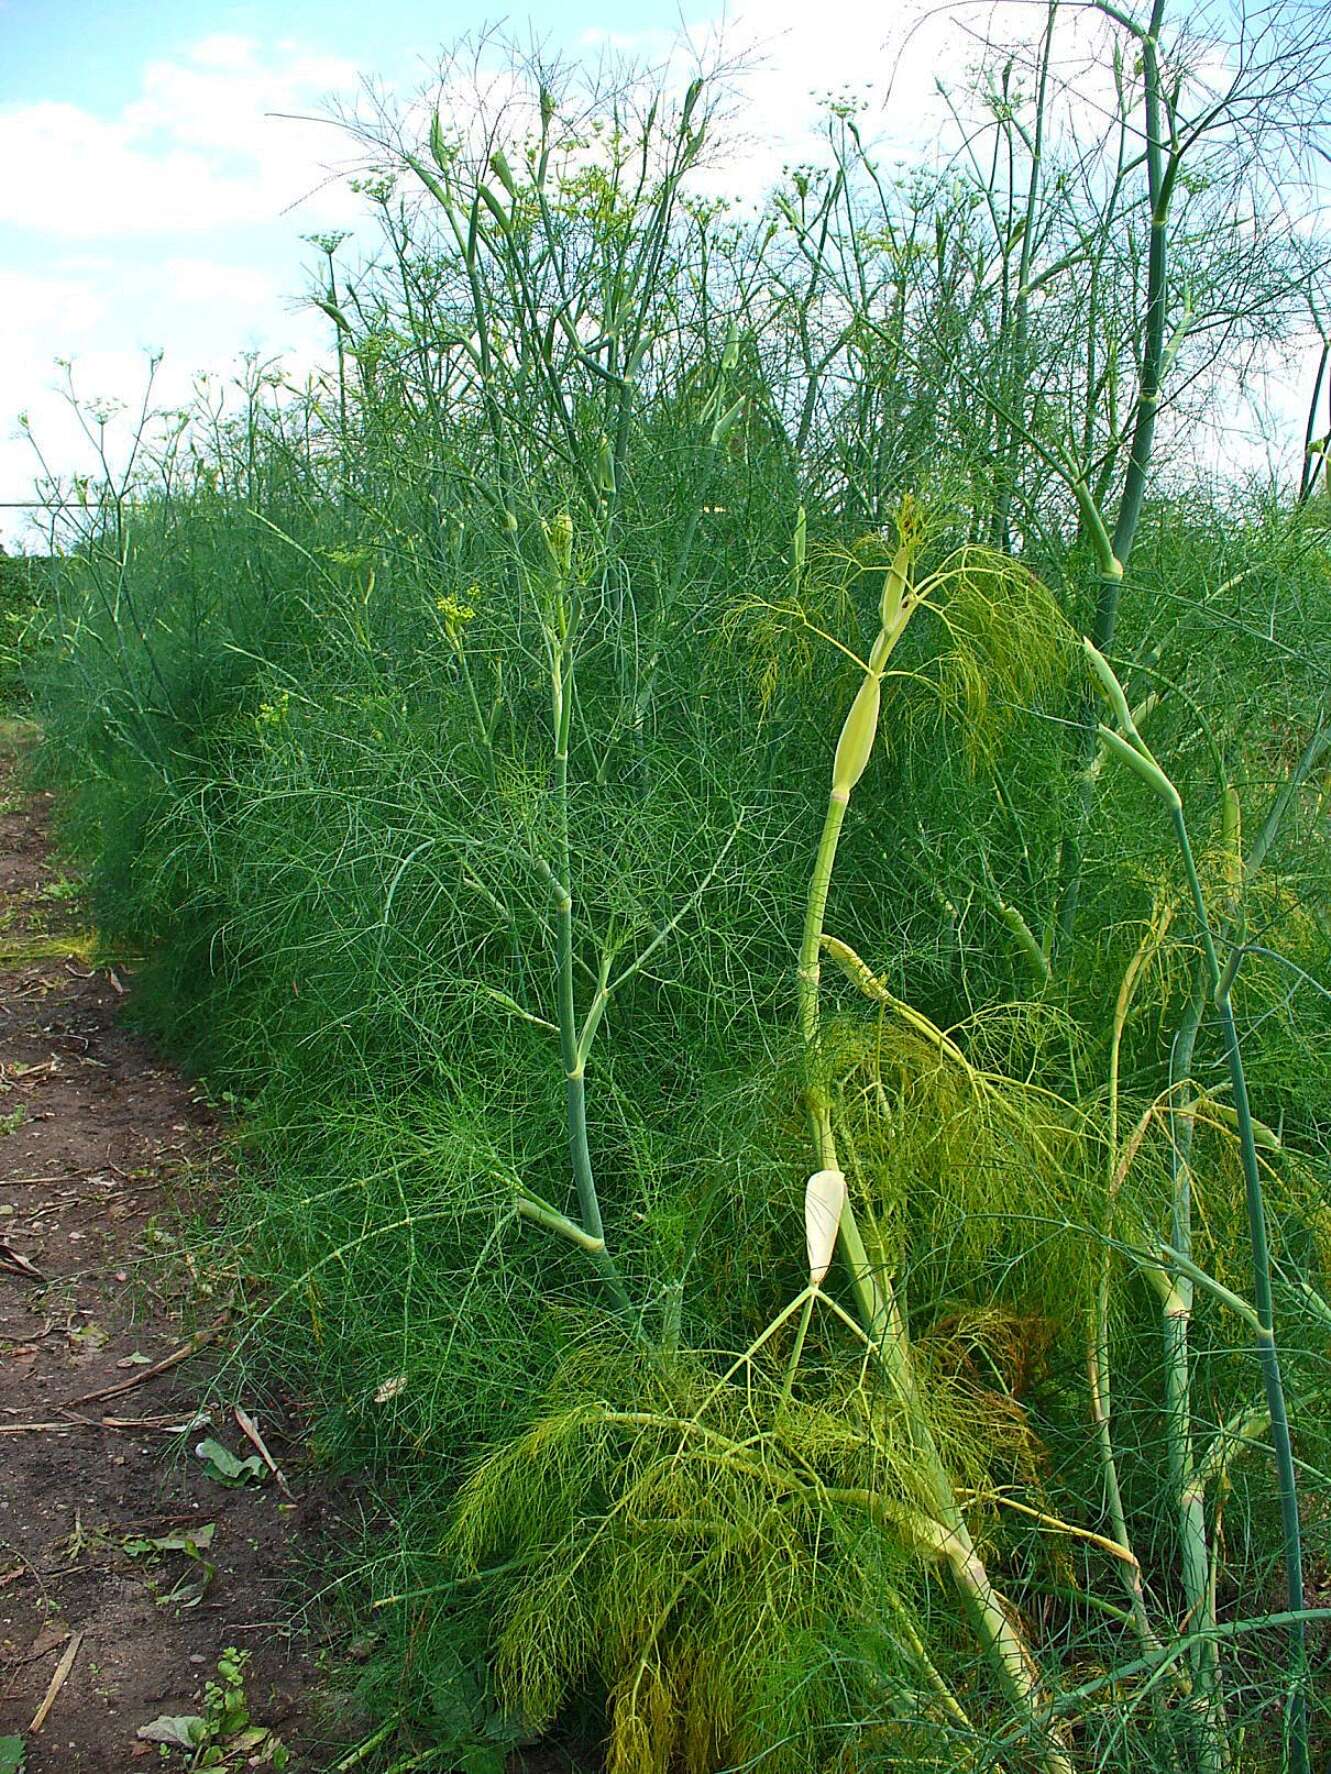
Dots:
pixel 49 1637
pixel 58 1681
pixel 199 1341
pixel 250 1430
pixel 17 1263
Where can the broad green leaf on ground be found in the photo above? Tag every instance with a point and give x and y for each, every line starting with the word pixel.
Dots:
pixel 192 1541
pixel 184 1731
pixel 223 1467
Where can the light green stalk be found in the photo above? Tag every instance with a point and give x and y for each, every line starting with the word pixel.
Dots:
pixel 1098 1355
pixel 1267 1352
pixel 1187 1480
pixel 1190 1477
pixel 875 1299
pixel 572 1051
pixel 578 1033
pixel 1221 982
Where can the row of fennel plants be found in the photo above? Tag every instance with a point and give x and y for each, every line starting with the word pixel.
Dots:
pixel 454 742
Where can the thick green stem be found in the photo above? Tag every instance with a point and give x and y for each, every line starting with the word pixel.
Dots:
pixel 877 1305
pixel 873 1304
pixel 1267 1352
pixel 1098 1367
pixel 1194 1549
pixel 1189 1494
pixel 810 976
pixel 571 1056
pixel 1161 172
pixel 1187 1482
pixel 1314 457
pixel 1189 1478
pixel 1073 854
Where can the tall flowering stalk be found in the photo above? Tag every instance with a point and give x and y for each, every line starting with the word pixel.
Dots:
pixel 875 1299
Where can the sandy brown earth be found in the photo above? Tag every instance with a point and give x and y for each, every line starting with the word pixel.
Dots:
pixel 105 1154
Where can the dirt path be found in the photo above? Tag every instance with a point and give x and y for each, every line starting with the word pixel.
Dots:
pixel 103 1150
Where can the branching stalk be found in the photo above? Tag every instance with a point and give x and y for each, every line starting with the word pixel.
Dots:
pixel 875 1298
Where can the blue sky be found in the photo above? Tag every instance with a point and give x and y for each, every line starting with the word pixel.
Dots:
pixel 92 55
pixel 152 199
pixel 157 202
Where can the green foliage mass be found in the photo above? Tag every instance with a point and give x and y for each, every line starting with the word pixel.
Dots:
pixel 451 739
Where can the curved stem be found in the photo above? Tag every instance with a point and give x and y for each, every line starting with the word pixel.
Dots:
pixel 875 1298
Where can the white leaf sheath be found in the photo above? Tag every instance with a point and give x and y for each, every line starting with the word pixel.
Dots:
pixel 824 1198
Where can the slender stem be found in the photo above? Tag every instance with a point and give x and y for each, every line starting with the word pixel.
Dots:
pixel 1018 370
pixel 540 1213
pixel 810 976
pixel 1313 459
pixel 1161 175
pixel 797 1349
pixel 1189 1477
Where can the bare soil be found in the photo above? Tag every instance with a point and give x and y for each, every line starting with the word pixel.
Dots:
pixel 106 1154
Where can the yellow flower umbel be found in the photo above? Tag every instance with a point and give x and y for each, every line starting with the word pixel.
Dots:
pixel 455 615
pixel 272 714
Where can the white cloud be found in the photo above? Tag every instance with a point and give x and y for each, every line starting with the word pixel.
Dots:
pixel 892 60
pixel 792 57
pixel 119 202
pixel 223 51
pixel 212 283
pixel 227 91
pixel 199 149
pixel 33 304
